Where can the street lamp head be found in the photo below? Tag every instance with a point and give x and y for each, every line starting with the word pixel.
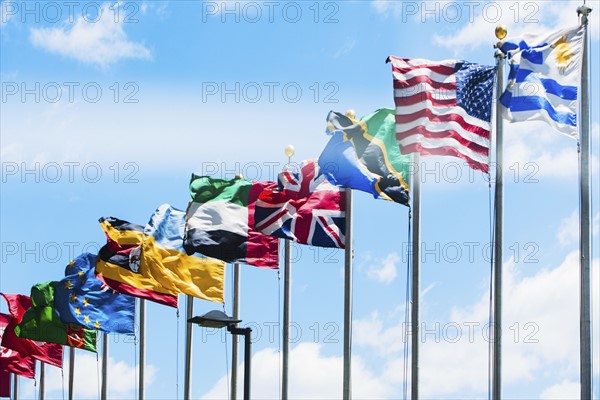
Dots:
pixel 214 319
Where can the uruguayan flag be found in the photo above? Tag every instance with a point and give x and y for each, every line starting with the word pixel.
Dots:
pixel 544 77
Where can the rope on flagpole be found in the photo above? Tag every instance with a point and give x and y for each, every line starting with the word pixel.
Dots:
pixel 407 308
pixel 492 225
pixel 97 367
pixel 177 357
pixel 62 373
pixel 227 358
pixel 279 325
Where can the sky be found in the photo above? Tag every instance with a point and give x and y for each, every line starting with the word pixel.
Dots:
pixel 108 107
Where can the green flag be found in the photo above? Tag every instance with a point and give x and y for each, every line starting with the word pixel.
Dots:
pixel 364 155
pixel 42 323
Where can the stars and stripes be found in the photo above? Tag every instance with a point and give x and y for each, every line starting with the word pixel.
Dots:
pixel 306 209
pixel 444 108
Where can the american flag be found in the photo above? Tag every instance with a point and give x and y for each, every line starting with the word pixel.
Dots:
pixel 306 208
pixel 444 108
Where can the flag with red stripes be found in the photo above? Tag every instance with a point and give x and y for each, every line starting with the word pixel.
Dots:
pixel 306 208
pixel 444 108
pixel 13 361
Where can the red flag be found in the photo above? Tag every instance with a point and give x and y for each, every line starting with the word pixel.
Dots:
pixel 12 361
pixel 444 108
pixel 4 384
pixel 49 353
pixel 306 208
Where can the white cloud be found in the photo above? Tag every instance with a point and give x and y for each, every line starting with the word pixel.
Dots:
pixel 569 232
pixel 533 150
pixel 122 378
pixel 564 390
pixel 519 17
pixel 540 319
pixel 312 376
pixel 346 48
pixel 385 270
pixel 102 42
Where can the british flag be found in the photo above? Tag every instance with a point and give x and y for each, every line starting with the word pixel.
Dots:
pixel 306 209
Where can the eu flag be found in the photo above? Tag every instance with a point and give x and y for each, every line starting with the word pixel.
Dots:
pixel 83 299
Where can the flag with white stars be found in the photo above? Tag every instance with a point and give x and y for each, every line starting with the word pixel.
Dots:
pixel 83 299
pixel 443 108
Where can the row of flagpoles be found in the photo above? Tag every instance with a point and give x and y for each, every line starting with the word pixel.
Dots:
pixel 380 185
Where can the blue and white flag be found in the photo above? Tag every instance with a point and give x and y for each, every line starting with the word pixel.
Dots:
pixel 544 77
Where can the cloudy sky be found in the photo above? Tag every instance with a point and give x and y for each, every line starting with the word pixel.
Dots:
pixel 108 107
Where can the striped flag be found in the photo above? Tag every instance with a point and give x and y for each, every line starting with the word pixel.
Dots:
pixel 544 75
pixel 444 108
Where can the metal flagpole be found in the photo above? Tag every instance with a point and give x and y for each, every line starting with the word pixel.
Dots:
pixel 42 381
pixel 188 349
pixel 234 338
pixel 15 387
pixel 104 391
pixel 585 358
pixel 287 296
pixel 287 289
pixel 142 346
pixel 416 221
pixel 498 225
pixel 71 372
pixel 348 255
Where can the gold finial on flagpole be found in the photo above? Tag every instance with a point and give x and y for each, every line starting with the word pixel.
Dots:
pixel 501 31
pixel 351 114
pixel 289 150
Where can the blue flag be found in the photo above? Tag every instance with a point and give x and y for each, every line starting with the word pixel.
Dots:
pixel 83 299
pixel 364 155
pixel 543 79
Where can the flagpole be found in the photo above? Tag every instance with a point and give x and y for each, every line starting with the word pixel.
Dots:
pixel 103 394
pixel 416 284
pixel 142 347
pixel 287 292
pixel 585 360
pixel 188 349
pixel 287 295
pixel 234 338
pixel 42 381
pixel 498 225
pixel 15 387
pixel 71 372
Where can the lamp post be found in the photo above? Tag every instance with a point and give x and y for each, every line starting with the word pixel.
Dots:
pixel 218 319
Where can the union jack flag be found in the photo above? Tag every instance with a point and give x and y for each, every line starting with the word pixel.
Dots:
pixel 306 209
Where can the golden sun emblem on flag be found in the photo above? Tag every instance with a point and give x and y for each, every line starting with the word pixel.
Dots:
pixel 563 51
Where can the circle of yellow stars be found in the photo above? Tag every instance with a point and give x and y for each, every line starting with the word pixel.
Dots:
pixel 69 285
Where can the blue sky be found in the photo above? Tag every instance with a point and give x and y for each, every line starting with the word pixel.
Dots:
pixel 108 108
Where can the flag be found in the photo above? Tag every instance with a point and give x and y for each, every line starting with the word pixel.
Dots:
pixel 363 155
pixel 13 361
pixel 306 208
pixel 220 222
pixel 4 384
pixel 443 108
pixel 151 263
pixel 81 298
pixel 545 72
pixel 50 353
pixel 41 322
pixel 118 262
